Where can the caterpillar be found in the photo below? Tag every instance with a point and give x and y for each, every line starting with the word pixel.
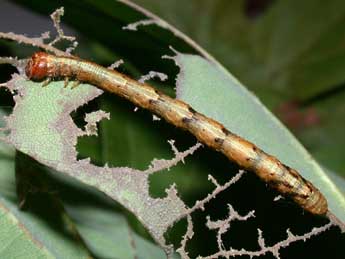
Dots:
pixel 278 176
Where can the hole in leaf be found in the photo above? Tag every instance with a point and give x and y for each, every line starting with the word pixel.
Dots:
pixel 128 139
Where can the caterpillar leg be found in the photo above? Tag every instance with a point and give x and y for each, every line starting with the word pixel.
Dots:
pixel 75 84
pixel 66 82
pixel 46 82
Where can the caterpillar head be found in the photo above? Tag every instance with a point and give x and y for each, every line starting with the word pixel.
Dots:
pixel 37 67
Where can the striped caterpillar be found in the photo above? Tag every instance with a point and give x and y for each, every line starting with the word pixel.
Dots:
pixel 284 179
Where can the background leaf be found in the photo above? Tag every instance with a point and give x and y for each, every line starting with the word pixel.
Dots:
pixel 41 231
pixel 24 234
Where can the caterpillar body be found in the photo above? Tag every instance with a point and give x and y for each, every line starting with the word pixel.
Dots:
pixel 284 179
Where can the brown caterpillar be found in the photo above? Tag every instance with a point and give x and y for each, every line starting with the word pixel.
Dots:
pixel 208 131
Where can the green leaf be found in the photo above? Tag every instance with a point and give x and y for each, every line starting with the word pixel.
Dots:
pixel 14 235
pixel 102 226
pixel 326 140
pixel 41 127
pixel 338 180
pixel 108 235
pixel 287 48
pixel 24 234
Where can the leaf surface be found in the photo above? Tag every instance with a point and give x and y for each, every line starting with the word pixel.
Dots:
pixel 22 233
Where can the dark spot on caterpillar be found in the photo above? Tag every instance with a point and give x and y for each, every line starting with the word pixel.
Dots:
pixel 309 185
pixel 157 92
pixel 219 141
pixel 286 184
pixel 225 131
pixel 186 120
pixel 305 181
pixel 191 110
pixel 254 161
pixel 294 173
pixel 259 153
pixel 160 99
pixel 153 102
pixel 276 183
